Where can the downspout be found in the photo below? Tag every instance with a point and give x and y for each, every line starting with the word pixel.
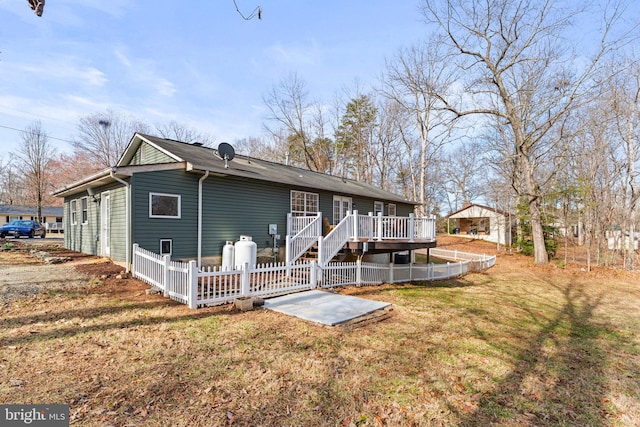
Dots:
pixel 200 181
pixel 127 256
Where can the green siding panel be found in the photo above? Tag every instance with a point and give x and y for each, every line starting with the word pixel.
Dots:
pixel 146 231
pixel 118 200
pixel 148 155
pixel 82 237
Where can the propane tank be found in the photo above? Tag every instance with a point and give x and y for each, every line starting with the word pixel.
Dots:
pixel 228 252
pixel 246 250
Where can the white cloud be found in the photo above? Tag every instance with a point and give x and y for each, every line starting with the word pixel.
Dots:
pixel 293 56
pixel 143 72
pixel 165 87
pixel 122 57
pixel 64 70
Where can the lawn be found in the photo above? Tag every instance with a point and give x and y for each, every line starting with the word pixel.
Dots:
pixel 515 345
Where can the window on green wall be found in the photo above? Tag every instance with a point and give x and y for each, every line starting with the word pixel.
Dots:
pixel 303 203
pixel 164 205
pixel 74 212
pixel 85 212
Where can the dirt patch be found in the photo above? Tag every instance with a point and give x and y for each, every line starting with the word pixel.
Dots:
pixel 29 269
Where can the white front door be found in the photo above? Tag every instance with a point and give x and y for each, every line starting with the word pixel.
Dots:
pixel 341 205
pixel 105 228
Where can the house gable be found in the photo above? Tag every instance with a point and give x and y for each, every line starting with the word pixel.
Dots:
pixel 142 150
pixel 477 211
pixel 147 154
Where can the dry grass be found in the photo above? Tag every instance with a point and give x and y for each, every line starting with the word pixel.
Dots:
pixel 516 345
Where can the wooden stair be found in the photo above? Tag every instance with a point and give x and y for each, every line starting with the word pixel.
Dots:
pixel 312 254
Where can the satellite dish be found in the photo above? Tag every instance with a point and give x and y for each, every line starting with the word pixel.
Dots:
pixel 226 153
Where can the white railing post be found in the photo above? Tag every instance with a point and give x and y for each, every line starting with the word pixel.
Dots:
pixel 379 224
pixel 358 272
pixel 412 223
pixel 246 276
pixel 287 247
pixel 355 226
pixel 314 275
pixel 433 226
pixel 192 288
pixel 134 260
pixel 289 224
pixel 319 225
pixel 321 250
pixel 166 277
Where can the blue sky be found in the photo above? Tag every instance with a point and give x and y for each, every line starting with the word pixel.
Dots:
pixel 198 63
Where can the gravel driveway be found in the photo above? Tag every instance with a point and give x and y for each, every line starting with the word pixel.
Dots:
pixel 23 273
pixel 26 280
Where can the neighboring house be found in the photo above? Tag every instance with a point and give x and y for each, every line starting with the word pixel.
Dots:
pixel 184 200
pixel 51 215
pixel 482 222
pixel 618 240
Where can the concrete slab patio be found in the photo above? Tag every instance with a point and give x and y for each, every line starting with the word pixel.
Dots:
pixel 324 307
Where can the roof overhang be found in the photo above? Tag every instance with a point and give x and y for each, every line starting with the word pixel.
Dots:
pixel 107 176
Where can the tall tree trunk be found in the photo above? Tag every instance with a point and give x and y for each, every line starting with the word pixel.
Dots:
pixel 533 198
pixel 539 249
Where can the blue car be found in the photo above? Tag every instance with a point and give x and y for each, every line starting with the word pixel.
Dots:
pixel 23 227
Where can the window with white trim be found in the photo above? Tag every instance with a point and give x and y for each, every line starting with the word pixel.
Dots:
pixel 391 209
pixel 84 206
pixel 166 246
pixel 304 204
pixel 341 207
pixel 378 207
pixel 73 208
pixel 163 205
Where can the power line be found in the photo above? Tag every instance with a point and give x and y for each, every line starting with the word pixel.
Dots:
pixel 256 12
pixel 48 136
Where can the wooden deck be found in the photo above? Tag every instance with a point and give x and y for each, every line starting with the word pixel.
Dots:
pixel 386 246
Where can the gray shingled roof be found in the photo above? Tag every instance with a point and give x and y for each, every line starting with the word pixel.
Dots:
pixel 30 210
pixel 206 159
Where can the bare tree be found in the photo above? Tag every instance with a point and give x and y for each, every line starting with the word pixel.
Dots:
pixel 12 180
pixel 386 150
pixel 416 79
pixel 105 136
pixel 519 70
pixel 625 104
pixel 462 167
pixel 183 133
pixel 35 154
pixel 291 112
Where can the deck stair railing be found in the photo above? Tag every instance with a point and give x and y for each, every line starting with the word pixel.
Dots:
pixel 331 244
pixel 302 233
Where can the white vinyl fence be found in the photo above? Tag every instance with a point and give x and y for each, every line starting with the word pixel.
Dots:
pixel 186 283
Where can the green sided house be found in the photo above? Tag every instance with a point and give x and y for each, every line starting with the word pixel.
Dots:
pixel 189 201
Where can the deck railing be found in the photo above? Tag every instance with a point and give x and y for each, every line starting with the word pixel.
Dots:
pixel 354 227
